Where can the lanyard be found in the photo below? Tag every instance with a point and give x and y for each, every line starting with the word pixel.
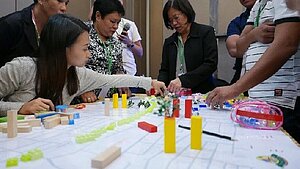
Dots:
pixel 180 50
pixel 261 8
pixel 107 53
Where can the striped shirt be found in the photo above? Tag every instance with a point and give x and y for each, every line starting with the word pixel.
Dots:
pixel 281 88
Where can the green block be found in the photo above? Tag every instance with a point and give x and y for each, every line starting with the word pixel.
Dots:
pixel 121 122
pixel 96 133
pixel 4 119
pixel 111 126
pixel 25 157
pixel 81 139
pixel 12 162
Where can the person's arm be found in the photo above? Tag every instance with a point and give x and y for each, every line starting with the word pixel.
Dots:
pixel 264 34
pixel 231 45
pixel 90 80
pixel 244 41
pixel 233 33
pixel 137 48
pixel 12 76
pixel 9 83
pixel 134 45
pixel 285 44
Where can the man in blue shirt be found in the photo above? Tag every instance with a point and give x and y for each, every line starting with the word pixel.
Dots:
pixel 234 30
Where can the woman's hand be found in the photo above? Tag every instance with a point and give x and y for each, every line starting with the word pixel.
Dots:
pixel 88 97
pixel 36 105
pixel 159 87
pixel 124 90
pixel 175 85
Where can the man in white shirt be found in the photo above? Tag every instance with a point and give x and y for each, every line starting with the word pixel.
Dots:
pixel 132 45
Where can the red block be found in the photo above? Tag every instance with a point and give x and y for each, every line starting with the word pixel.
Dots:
pixel 147 126
pixel 176 107
pixel 188 108
pixel 152 91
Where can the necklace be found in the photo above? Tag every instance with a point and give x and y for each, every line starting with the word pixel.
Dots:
pixel 36 29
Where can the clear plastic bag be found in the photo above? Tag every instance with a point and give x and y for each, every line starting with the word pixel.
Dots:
pixel 257 115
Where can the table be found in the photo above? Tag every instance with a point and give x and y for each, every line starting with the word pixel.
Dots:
pixel 141 149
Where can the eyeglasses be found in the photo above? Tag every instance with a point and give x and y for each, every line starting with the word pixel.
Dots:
pixel 63 1
pixel 175 18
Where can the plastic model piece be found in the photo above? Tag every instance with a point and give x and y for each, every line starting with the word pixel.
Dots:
pixel 12 162
pixel 147 126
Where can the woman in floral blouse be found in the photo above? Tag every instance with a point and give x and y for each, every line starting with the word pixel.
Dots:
pixel 106 50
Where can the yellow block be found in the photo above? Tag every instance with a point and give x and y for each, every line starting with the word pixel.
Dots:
pixel 115 101
pixel 196 132
pixel 170 135
pixel 124 100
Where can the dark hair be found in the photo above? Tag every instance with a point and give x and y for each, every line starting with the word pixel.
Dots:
pixel 35 1
pixel 106 7
pixel 60 32
pixel 181 5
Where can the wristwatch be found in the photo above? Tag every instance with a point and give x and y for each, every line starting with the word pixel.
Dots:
pixel 131 45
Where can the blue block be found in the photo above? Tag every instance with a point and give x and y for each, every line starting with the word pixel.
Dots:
pixel 76 115
pixel 71 122
pixel 202 105
pixel 61 108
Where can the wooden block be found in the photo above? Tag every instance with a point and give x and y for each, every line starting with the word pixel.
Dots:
pixel 24 129
pixel 115 101
pixel 188 108
pixel 51 117
pixel 176 107
pixel 31 122
pixel 147 126
pixel 69 115
pixel 64 120
pixel 169 135
pixel 50 123
pixel 105 158
pixel 196 132
pixel 107 107
pixel 12 123
pixel 20 129
pixel 124 100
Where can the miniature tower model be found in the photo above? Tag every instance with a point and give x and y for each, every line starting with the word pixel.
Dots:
pixel 170 135
pixel 12 123
pixel 176 103
pixel 124 100
pixel 196 132
pixel 188 108
pixel 115 101
pixel 106 109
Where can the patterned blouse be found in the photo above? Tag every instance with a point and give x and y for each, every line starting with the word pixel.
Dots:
pixel 106 57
